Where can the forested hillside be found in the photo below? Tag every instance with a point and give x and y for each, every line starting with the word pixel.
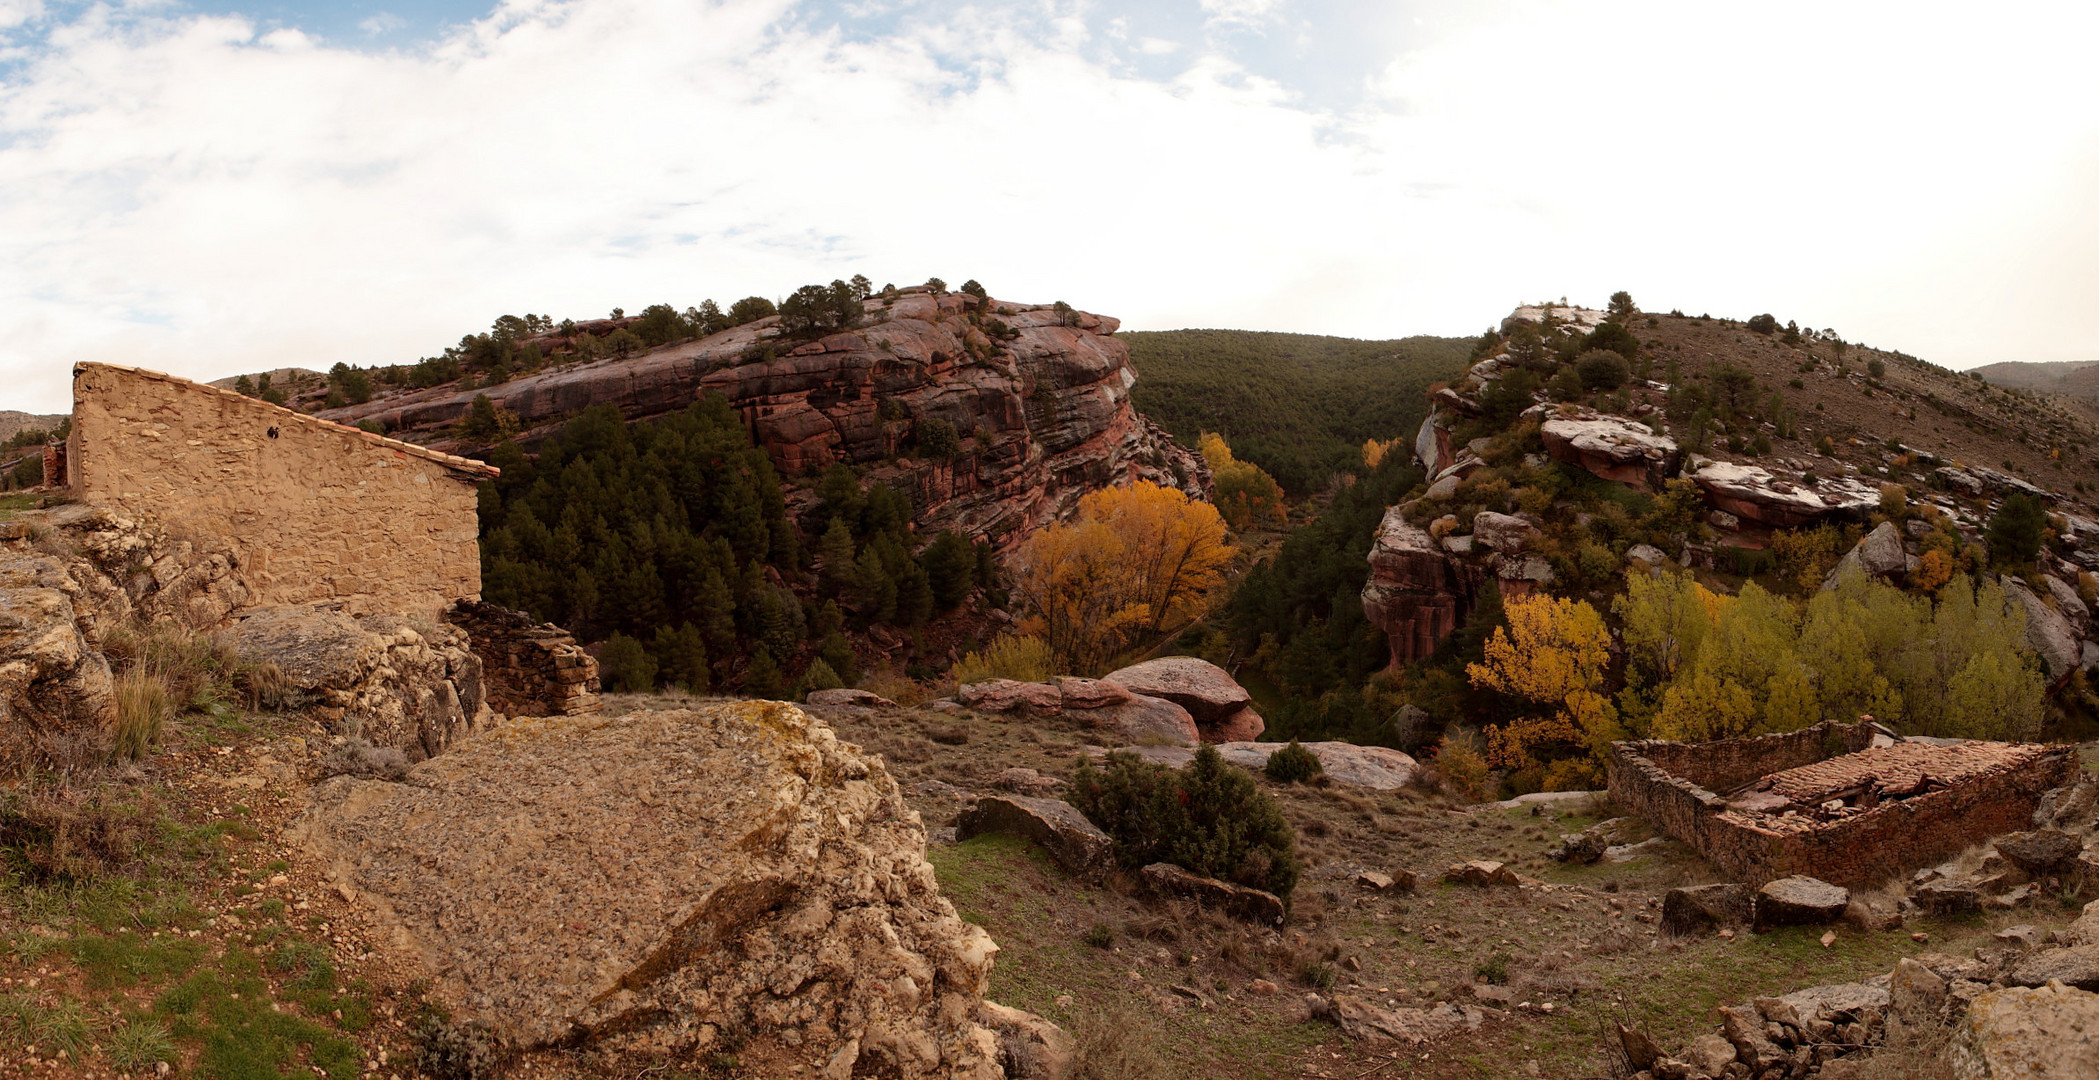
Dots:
pixel 1298 405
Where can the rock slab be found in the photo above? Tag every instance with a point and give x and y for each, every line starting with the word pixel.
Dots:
pixel 1076 843
pixel 642 883
pixel 1702 909
pixel 1799 901
pixel 2045 1032
pixel 1253 905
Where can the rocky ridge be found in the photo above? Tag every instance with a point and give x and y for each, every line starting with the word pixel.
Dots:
pixel 1043 410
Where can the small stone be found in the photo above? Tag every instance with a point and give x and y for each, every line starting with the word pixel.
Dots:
pixel 1261 987
pixel 1372 879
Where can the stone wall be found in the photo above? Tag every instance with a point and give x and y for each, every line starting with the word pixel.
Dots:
pixel 1673 785
pixel 529 669
pixel 316 511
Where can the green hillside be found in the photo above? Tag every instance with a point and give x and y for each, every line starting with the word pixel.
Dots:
pixel 1298 405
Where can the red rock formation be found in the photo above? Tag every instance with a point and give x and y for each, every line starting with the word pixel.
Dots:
pixel 1612 447
pixel 1044 416
pixel 1417 594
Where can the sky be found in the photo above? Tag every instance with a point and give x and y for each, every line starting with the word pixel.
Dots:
pixel 221 186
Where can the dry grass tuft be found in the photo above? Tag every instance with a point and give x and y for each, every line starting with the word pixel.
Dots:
pixel 1119 1042
pixel 145 704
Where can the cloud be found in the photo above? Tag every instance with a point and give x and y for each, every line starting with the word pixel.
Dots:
pixel 193 194
pixel 385 22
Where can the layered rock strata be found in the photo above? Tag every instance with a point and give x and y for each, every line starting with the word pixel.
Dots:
pixel 1044 413
pixel 1417 594
pixel 653 882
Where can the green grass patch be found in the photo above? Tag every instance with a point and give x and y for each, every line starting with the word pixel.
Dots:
pixel 128 959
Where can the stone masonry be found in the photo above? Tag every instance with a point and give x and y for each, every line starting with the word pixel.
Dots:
pixel 318 512
pixel 1834 801
pixel 529 669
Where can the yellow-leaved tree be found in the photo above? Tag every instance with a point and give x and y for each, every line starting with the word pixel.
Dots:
pixel 1554 653
pixel 1245 494
pixel 1135 559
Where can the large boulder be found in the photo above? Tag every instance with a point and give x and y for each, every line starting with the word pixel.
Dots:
pixel 1076 843
pixel 646 883
pixel 57 701
pixel 2049 633
pixel 1613 448
pixel 410 685
pixel 2076 966
pixel 1799 901
pixel 2041 851
pixel 1505 533
pixel 2042 1032
pixel 1879 554
pixel 1009 695
pixel 1147 721
pixel 1077 693
pixel 1245 725
pixel 1207 691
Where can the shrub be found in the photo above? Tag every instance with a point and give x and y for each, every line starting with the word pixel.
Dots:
pixel 1876 367
pixel 1100 935
pixel 1025 658
pixel 358 757
pixel 1602 369
pixel 1209 818
pixel 1493 970
pixel 1763 324
pixel 1463 767
pixel 1293 764
pixel 626 666
pixel 820 677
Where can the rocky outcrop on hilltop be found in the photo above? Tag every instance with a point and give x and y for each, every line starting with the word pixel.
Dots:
pixel 665 881
pixel 1755 493
pixel 1042 408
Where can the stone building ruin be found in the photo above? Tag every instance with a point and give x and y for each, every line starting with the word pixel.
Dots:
pixel 1846 803
pixel 346 561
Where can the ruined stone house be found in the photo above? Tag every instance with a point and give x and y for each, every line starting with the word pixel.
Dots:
pixel 1842 802
pixel 316 512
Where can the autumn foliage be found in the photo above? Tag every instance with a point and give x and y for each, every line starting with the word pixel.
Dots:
pixel 1554 654
pixel 1246 496
pixel 1135 559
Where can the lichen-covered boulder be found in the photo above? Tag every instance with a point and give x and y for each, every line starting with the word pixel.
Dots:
pixel 408 684
pixel 1799 901
pixel 2047 1031
pixel 57 700
pixel 1010 695
pixel 646 883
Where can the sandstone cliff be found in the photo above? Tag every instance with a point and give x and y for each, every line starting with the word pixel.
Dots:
pixel 1042 408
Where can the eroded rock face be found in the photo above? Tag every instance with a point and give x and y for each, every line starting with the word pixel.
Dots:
pixel 642 883
pixel 385 678
pixel 57 701
pixel 1417 594
pixel 2050 634
pixel 2046 1031
pixel 1612 447
pixel 1755 493
pixel 130 567
pixel 1052 406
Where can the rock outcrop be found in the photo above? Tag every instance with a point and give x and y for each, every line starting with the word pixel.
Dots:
pixel 1222 709
pixel 1376 767
pixel 1879 554
pixel 1076 843
pixel 1417 593
pixel 57 700
pixel 2044 1031
pixel 1754 493
pixel 1612 447
pixel 382 678
pixel 1045 415
pixel 2052 636
pixel 651 882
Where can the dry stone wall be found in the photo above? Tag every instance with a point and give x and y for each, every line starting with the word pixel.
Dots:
pixel 314 511
pixel 530 669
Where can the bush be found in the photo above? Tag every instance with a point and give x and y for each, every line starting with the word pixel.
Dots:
pixel 1763 324
pixel 820 677
pixel 1601 369
pixel 1463 767
pixel 1876 367
pixel 1293 764
pixel 1026 659
pixel 1209 818
pixel 626 666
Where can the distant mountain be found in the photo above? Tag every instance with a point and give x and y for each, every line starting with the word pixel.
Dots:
pixel 12 422
pixel 1298 405
pixel 2077 381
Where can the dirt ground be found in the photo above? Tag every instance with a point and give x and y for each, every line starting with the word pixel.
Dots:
pixel 191 934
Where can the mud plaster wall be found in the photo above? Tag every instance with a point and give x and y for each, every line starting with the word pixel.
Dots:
pixel 316 512
pixel 1894 838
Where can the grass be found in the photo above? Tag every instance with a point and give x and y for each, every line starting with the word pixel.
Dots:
pixel 14 503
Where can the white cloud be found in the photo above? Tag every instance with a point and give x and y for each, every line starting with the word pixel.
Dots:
pixel 188 195
pixel 385 22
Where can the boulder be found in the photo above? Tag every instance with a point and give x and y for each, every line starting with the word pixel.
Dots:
pixel 2040 852
pixel 1077 693
pixel 859 699
pixel 1613 448
pixel 1580 848
pixel 411 685
pixel 2050 1031
pixel 1755 493
pixel 1947 897
pixel 1147 721
pixel 1369 1022
pixel 1504 533
pixel 1915 992
pixel 1799 901
pixel 1744 1028
pixel 2077 965
pixel 1076 843
pixel 1880 554
pixel 1840 1001
pixel 1024 781
pixel 1702 909
pixel 1647 555
pixel 1709 1054
pixel 640 884
pixel 2047 631
pixel 1416 593
pixel 2084 931
pixel 1207 691
pixel 1252 905
pixel 1244 725
pixel 1008 695
pixel 58 706
pixel 2068 604
pixel 1480 873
